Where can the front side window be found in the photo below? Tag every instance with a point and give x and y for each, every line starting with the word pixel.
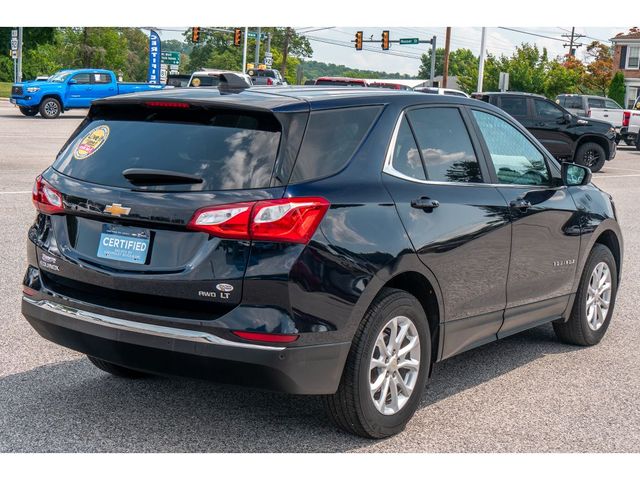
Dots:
pixel 514 106
pixel 82 78
pixel 515 159
pixel 445 145
pixel 547 110
pixel 406 157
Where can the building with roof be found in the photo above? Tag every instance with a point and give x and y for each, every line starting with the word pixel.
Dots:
pixel 626 59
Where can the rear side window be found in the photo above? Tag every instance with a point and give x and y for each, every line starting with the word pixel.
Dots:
pixel 226 150
pixel 331 139
pixel 205 81
pixel 514 106
pixel 445 145
pixel 101 78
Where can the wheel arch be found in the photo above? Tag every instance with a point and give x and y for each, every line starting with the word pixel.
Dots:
pixel 603 142
pixel 53 95
pixel 609 239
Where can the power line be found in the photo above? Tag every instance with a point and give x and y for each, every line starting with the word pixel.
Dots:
pixel 533 34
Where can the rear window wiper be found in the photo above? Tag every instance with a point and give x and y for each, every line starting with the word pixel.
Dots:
pixel 151 176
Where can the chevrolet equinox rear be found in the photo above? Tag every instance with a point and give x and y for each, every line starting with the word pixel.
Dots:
pixel 317 241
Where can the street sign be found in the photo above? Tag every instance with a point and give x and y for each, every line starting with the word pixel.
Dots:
pixel 268 61
pixel 14 44
pixel 409 41
pixel 170 58
pixel 14 54
pixel 14 33
pixel 255 34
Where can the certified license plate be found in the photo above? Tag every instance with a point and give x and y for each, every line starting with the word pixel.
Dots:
pixel 124 244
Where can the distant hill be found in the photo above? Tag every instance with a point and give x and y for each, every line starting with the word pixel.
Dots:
pixel 313 69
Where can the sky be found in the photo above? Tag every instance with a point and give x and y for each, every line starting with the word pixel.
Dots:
pixel 406 58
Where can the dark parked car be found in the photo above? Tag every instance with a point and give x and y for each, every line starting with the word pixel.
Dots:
pixel 585 141
pixel 333 242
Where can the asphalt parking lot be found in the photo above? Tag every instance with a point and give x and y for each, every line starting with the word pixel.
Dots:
pixel 526 393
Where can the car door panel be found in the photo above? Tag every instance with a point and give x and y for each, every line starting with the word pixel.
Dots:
pixel 545 224
pixel 549 127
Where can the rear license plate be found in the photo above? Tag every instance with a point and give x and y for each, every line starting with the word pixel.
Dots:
pixel 125 244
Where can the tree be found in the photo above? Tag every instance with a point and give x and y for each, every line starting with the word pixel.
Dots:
pixel 616 88
pixel 600 68
pixel 563 77
pixel 461 61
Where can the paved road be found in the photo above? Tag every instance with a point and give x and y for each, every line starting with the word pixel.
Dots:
pixel 526 393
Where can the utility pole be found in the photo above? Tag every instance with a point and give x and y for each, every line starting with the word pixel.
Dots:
pixel 269 42
pixel 445 68
pixel 257 53
pixel 483 43
pixel 433 60
pixel 572 45
pixel 244 49
pixel 19 63
pixel 285 51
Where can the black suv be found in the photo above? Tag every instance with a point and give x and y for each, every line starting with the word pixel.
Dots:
pixel 568 137
pixel 312 240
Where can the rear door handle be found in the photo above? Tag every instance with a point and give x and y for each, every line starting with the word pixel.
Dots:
pixel 540 124
pixel 520 204
pixel 425 203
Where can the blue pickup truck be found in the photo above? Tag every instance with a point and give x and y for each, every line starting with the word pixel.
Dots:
pixel 69 89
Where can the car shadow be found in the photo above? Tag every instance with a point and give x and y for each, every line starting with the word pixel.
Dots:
pixel 72 406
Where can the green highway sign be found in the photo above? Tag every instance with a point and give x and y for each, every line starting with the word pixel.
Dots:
pixel 409 41
pixel 255 34
pixel 170 58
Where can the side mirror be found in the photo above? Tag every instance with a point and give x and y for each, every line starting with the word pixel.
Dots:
pixel 566 118
pixel 73 81
pixel 574 174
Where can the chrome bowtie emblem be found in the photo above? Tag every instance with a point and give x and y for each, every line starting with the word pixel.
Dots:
pixel 116 210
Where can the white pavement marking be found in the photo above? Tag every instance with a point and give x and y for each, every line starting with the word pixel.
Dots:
pixel 10 193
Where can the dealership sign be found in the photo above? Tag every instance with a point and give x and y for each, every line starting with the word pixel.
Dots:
pixel 154 58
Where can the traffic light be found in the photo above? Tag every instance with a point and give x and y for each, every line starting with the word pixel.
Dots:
pixel 359 40
pixel 195 34
pixel 385 39
pixel 237 36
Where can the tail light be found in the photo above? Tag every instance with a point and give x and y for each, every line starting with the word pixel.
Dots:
pixel 155 104
pixel 269 81
pixel 589 113
pixel 292 220
pixel 266 337
pixel 46 198
pixel 626 116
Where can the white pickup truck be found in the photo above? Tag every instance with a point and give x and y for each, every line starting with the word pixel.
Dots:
pixel 606 109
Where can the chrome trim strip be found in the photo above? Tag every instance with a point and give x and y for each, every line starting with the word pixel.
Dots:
pixel 388 169
pixel 138 327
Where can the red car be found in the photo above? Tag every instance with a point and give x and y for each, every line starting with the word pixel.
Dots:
pixel 342 81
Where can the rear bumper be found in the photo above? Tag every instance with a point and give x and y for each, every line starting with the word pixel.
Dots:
pixel 174 351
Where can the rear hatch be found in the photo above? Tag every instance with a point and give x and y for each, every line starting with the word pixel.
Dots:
pixel 131 179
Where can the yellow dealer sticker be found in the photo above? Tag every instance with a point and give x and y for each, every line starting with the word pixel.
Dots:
pixel 91 142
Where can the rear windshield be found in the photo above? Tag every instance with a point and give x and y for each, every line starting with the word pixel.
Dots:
pixel 226 150
pixel 205 81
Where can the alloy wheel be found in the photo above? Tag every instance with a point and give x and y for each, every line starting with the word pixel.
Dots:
pixel 51 108
pixel 598 296
pixel 394 365
pixel 590 158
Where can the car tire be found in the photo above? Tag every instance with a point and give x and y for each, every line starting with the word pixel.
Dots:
pixel 352 407
pixel 116 370
pixel 591 155
pixel 50 108
pixel 638 143
pixel 588 323
pixel 29 111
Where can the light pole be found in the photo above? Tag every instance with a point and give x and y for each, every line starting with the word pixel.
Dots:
pixel 483 43
pixel 244 49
